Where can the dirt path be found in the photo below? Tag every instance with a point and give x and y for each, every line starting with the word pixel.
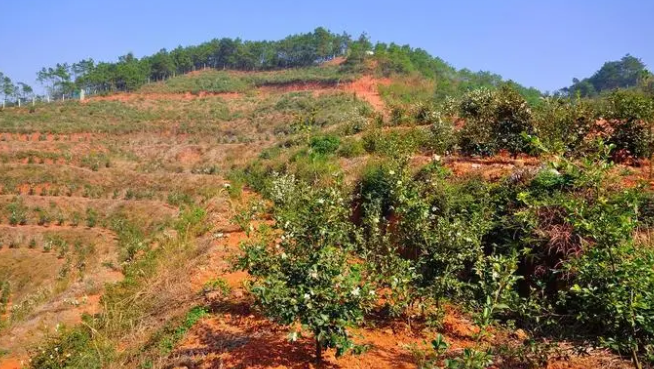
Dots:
pixel 367 88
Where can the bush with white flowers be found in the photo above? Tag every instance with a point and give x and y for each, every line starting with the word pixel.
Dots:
pixel 304 271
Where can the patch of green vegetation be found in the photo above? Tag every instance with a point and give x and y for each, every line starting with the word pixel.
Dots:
pixel 215 81
pixel 73 348
pixel 171 335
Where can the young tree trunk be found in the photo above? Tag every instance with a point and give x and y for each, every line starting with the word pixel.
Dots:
pixel 318 351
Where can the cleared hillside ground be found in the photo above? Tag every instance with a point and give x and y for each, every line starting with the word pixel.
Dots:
pixel 123 208
pixel 93 193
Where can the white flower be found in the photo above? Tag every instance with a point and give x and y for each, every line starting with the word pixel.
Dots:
pixel 433 208
pixel 371 293
pixel 356 291
pixel 321 201
pixel 391 172
pixel 227 185
pixel 307 296
pixel 313 274
pixel 399 183
pixel 437 158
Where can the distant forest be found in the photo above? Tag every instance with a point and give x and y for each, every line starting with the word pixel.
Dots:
pixel 129 73
pixel 624 73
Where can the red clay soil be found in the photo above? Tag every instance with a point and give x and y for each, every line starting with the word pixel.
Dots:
pixel 236 336
pixel 12 363
pixel 365 88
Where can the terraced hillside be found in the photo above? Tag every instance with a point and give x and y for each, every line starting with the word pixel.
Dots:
pixel 113 206
pixel 125 220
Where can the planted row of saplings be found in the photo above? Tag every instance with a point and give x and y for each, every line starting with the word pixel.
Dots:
pixel 17 213
pixel 94 162
pixel 49 243
pixel 86 191
pixel 75 255
pixel 43 137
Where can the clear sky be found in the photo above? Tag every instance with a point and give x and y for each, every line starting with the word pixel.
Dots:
pixel 540 43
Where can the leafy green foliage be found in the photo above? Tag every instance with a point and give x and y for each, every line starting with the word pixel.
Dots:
pixel 612 297
pixel 172 335
pixel 495 120
pixel 72 348
pixel 17 211
pixel 325 145
pixel 563 124
pixel 623 73
pixel 306 277
pixel 634 114
pixel 129 73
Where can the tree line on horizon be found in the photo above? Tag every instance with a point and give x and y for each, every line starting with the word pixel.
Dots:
pixel 297 51
pixel 627 72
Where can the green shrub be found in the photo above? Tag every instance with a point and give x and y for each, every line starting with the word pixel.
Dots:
pixel 495 120
pixel 313 169
pixel 563 124
pixel 191 221
pixel 375 185
pixel 91 217
pixel 351 148
pixel 325 145
pixel 17 211
pixel 633 115
pixel 308 277
pixel 613 297
pixel 396 143
pixel 72 348
pixel 443 137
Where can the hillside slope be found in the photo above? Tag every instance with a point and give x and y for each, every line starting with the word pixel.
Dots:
pixel 122 217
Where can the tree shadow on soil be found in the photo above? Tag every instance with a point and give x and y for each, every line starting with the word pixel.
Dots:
pixel 251 341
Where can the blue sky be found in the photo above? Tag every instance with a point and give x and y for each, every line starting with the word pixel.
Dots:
pixel 537 43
